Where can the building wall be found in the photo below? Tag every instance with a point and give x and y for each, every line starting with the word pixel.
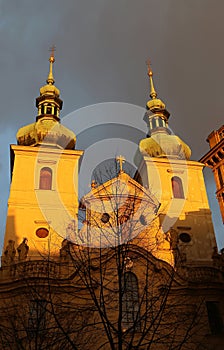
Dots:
pixel 30 207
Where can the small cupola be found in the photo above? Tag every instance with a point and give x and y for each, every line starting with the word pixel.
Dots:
pixel 161 142
pixel 49 102
pixel 47 130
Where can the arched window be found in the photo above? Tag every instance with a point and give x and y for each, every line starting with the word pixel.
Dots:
pixel 221 181
pixel 42 109
pixel 160 121
pixel 214 317
pixel 130 301
pixel 49 109
pixel 153 123
pixel 177 187
pixel 45 179
pixel 37 318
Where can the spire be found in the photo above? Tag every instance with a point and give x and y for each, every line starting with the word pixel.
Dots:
pixel 155 105
pixel 49 102
pixel 160 143
pixel 50 80
pixel 153 93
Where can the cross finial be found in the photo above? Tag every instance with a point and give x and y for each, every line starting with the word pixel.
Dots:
pixel 121 160
pixel 52 51
pixel 148 63
pixel 153 93
pixel 50 79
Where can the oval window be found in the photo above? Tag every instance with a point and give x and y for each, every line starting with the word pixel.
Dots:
pixel 42 232
pixel 105 218
pixel 185 237
pixel 143 220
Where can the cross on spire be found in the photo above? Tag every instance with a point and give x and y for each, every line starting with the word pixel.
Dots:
pixel 121 160
pixel 50 79
pixel 148 63
pixel 52 51
pixel 153 93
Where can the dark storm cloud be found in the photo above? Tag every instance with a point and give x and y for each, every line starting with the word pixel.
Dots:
pixel 102 46
pixel 101 51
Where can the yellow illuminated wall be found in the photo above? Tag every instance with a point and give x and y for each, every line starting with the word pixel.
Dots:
pixel 31 208
pixel 190 215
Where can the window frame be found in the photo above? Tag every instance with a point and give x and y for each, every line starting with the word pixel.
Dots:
pixel 130 301
pixel 43 180
pixel 177 187
pixel 215 319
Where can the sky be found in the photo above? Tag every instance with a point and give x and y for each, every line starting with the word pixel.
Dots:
pixel 101 49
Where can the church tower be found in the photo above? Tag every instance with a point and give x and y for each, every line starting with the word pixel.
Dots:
pixel 178 183
pixel 214 159
pixel 43 199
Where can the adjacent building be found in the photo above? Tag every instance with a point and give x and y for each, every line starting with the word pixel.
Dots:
pixel 214 159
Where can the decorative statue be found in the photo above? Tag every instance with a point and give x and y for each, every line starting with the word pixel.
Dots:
pixel 65 250
pixel 23 249
pixel 128 263
pixel 216 257
pixel 9 253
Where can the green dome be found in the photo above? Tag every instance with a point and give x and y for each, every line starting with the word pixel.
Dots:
pixel 164 145
pixel 47 131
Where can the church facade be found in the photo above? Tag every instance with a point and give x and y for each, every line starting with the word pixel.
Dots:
pixel 142 271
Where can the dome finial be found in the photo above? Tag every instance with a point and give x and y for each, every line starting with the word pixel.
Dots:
pixel 50 80
pixel 153 93
pixel 155 105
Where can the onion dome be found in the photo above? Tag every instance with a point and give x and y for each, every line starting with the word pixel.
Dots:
pixel 47 130
pixel 161 142
pixel 164 145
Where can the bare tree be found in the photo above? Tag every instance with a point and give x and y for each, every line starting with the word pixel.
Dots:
pixel 109 288
pixel 137 301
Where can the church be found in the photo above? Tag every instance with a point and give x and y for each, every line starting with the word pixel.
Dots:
pixel 132 265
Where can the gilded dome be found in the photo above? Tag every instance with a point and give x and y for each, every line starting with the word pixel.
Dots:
pixel 162 144
pixel 155 104
pixel 46 131
pixel 49 90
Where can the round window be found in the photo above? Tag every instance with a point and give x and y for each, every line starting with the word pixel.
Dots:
pixel 105 218
pixel 42 232
pixel 185 237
